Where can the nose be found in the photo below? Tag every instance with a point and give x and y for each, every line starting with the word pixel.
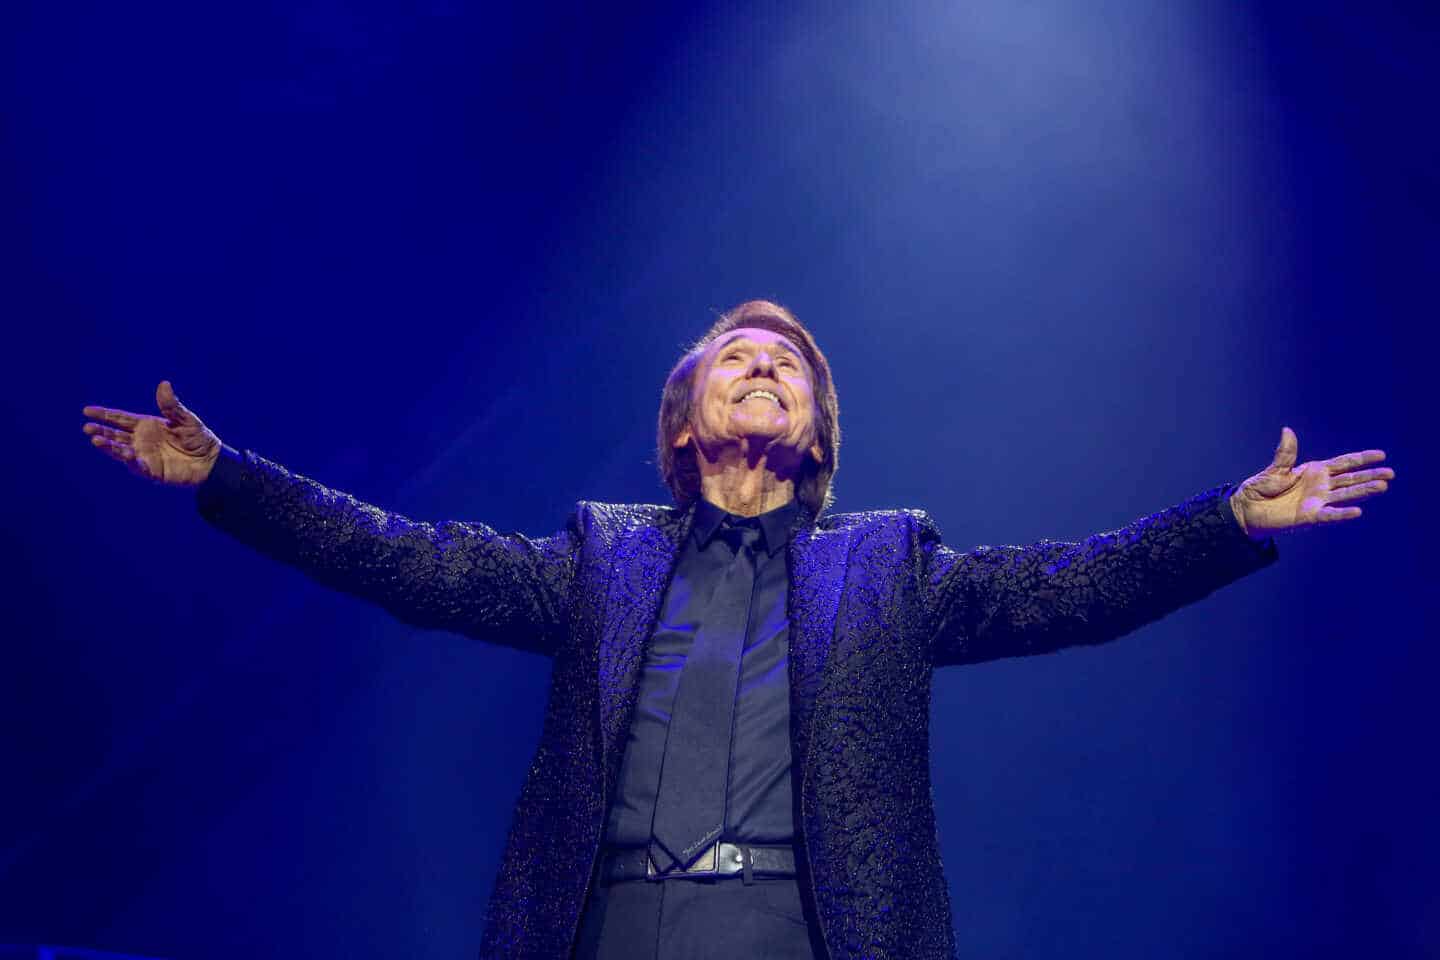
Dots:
pixel 763 364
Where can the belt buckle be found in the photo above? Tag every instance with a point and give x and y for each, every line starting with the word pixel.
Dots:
pixel 707 866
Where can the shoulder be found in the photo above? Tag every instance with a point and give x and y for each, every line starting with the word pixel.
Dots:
pixel 617 518
pixel 629 514
pixel 912 519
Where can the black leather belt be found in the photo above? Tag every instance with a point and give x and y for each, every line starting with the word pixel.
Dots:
pixel 721 860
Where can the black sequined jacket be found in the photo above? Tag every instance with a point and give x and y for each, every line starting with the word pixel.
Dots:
pixel 876 603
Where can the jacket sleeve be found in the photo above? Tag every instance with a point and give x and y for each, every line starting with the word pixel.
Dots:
pixel 463 577
pixel 1012 601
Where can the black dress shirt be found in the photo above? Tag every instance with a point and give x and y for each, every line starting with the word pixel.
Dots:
pixel 758 808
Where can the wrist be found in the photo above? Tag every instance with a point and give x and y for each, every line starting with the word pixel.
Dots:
pixel 1238 506
pixel 1238 511
pixel 219 466
pixel 210 459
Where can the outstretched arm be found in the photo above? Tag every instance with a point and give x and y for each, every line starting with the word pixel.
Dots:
pixel 463 577
pixel 1011 601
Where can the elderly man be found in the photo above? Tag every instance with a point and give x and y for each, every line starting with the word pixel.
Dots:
pixel 735 756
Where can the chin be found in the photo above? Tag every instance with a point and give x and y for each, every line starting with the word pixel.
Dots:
pixel 749 426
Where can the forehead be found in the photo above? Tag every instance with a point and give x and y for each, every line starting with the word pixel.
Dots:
pixel 754 335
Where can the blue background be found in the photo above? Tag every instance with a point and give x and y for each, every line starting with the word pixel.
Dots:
pixel 1071 264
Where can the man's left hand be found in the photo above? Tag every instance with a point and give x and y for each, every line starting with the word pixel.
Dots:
pixel 1286 497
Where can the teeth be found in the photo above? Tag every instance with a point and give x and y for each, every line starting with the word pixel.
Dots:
pixel 761 393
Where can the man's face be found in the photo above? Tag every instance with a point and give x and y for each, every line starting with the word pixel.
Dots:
pixel 753 389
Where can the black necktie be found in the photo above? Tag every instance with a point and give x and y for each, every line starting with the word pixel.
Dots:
pixel 695 771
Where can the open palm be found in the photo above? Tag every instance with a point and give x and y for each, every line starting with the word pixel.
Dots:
pixel 1284 496
pixel 175 448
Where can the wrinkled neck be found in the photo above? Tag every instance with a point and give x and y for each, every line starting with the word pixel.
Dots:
pixel 745 487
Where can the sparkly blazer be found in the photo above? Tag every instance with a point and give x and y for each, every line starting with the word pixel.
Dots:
pixel 876 603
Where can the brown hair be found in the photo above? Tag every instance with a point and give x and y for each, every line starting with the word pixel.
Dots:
pixel 679 469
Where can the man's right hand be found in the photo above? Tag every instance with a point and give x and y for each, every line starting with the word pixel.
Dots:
pixel 175 448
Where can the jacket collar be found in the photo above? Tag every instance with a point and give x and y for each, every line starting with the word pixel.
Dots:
pixel 775 525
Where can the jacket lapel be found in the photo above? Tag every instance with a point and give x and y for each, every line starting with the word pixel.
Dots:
pixel 818 562
pixel 644 562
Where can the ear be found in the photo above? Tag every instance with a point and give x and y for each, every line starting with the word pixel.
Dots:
pixel 816 453
pixel 682 439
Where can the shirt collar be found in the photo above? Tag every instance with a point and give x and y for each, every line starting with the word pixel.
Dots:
pixel 775 525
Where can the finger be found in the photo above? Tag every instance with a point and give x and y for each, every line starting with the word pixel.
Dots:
pixel 116 436
pixel 118 451
pixel 124 454
pixel 1336 514
pixel 1361 476
pixel 1357 493
pixel 1350 461
pixel 1288 449
pixel 168 403
pixel 118 418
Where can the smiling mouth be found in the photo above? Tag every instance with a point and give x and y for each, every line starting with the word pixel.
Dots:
pixel 761 395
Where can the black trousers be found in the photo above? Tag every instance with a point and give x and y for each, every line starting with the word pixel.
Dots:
pixel 720 919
